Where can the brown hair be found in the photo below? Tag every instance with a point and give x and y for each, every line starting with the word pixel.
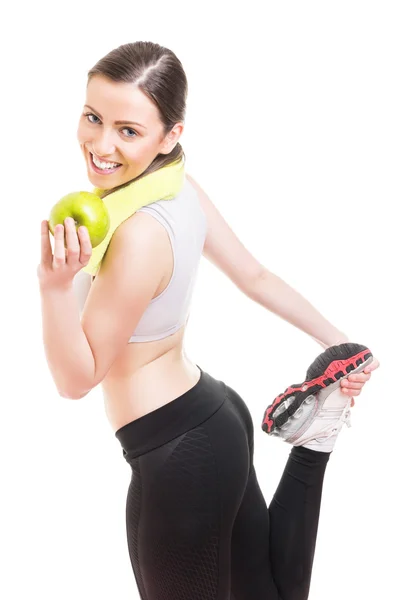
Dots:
pixel 159 74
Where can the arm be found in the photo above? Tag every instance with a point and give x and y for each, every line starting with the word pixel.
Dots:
pixel 68 353
pixel 82 283
pixel 80 352
pixel 277 296
pixel 225 251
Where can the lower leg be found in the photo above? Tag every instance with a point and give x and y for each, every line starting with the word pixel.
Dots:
pixel 294 515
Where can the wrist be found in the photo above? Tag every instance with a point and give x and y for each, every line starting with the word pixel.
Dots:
pixel 341 338
pixel 47 288
pixel 335 340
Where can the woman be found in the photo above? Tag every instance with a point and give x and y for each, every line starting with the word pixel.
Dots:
pixel 198 526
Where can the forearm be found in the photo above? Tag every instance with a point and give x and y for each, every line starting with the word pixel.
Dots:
pixel 277 296
pixel 67 349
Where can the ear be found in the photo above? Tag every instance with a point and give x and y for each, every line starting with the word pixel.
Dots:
pixel 172 138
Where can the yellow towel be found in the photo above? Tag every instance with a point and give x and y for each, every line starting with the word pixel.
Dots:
pixel 163 184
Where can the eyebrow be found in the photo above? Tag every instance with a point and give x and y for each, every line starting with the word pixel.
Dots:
pixel 117 122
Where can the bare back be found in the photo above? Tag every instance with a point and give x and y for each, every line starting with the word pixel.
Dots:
pixel 147 375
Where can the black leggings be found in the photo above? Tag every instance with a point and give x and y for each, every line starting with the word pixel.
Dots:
pixel 198 527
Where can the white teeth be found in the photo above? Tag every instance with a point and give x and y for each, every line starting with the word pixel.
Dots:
pixel 104 165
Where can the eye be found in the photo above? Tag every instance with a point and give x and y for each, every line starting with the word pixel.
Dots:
pixel 129 129
pixel 87 115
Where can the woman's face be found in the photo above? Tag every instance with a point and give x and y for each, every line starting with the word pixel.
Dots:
pixel 120 125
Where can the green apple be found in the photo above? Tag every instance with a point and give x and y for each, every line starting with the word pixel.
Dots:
pixel 86 209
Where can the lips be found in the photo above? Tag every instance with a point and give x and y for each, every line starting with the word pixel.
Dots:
pixel 102 171
pixel 105 160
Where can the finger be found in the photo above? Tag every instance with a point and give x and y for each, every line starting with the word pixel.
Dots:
pixel 73 246
pixel 347 392
pixel 351 393
pixel 352 402
pixel 86 245
pixel 374 365
pixel 46 249
pixel 353 385
pixel 363 377
pixel 59 248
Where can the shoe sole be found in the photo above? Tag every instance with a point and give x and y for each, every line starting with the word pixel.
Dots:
pixel 332 365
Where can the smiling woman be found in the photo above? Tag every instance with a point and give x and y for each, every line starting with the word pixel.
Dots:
pixel 106 133
pixel 181 429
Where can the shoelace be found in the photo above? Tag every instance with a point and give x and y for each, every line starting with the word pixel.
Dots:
pixel 345 418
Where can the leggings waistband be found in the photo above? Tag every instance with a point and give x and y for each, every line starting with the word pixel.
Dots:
pixel 173 419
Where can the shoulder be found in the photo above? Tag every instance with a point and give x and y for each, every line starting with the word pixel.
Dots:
pixel 139 243
pixel 201 193
pixel 223 247
pixel 204 200
pixel 213 217
pixel 140 231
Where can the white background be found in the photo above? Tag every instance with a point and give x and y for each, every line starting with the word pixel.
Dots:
pixel 293 130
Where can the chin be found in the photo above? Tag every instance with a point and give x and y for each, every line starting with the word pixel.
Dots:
pixel 92 178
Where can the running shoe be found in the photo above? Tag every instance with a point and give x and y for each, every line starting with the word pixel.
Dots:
pixel 312 413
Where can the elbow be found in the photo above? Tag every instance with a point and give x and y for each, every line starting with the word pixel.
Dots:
pixel 74 394
pixel 68 396
pixel 65 395
pixel 79 396
pixel 251 285
pixel 80 389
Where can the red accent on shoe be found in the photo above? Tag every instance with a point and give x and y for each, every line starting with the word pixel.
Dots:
pixel 330 372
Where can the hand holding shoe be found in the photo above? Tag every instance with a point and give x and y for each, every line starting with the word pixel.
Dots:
pixel 353 384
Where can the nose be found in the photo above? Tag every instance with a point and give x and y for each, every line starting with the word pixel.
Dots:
pixel 103 144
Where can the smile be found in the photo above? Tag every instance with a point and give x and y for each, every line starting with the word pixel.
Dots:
pixel 103 168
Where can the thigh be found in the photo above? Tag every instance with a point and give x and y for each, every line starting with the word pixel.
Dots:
pixel 250 554
pixel 182 502
pixel 251 575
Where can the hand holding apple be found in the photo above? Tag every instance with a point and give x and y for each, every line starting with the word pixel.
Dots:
pixel 58 271
pixel 86 209
pixel 87 222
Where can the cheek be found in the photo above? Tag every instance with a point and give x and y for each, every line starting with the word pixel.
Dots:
pixel 79 133
pixel 133 154
pixel 130 158
pixel 140 151
pixel 82 133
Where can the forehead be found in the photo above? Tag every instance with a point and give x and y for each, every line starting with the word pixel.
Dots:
pixel 119 101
